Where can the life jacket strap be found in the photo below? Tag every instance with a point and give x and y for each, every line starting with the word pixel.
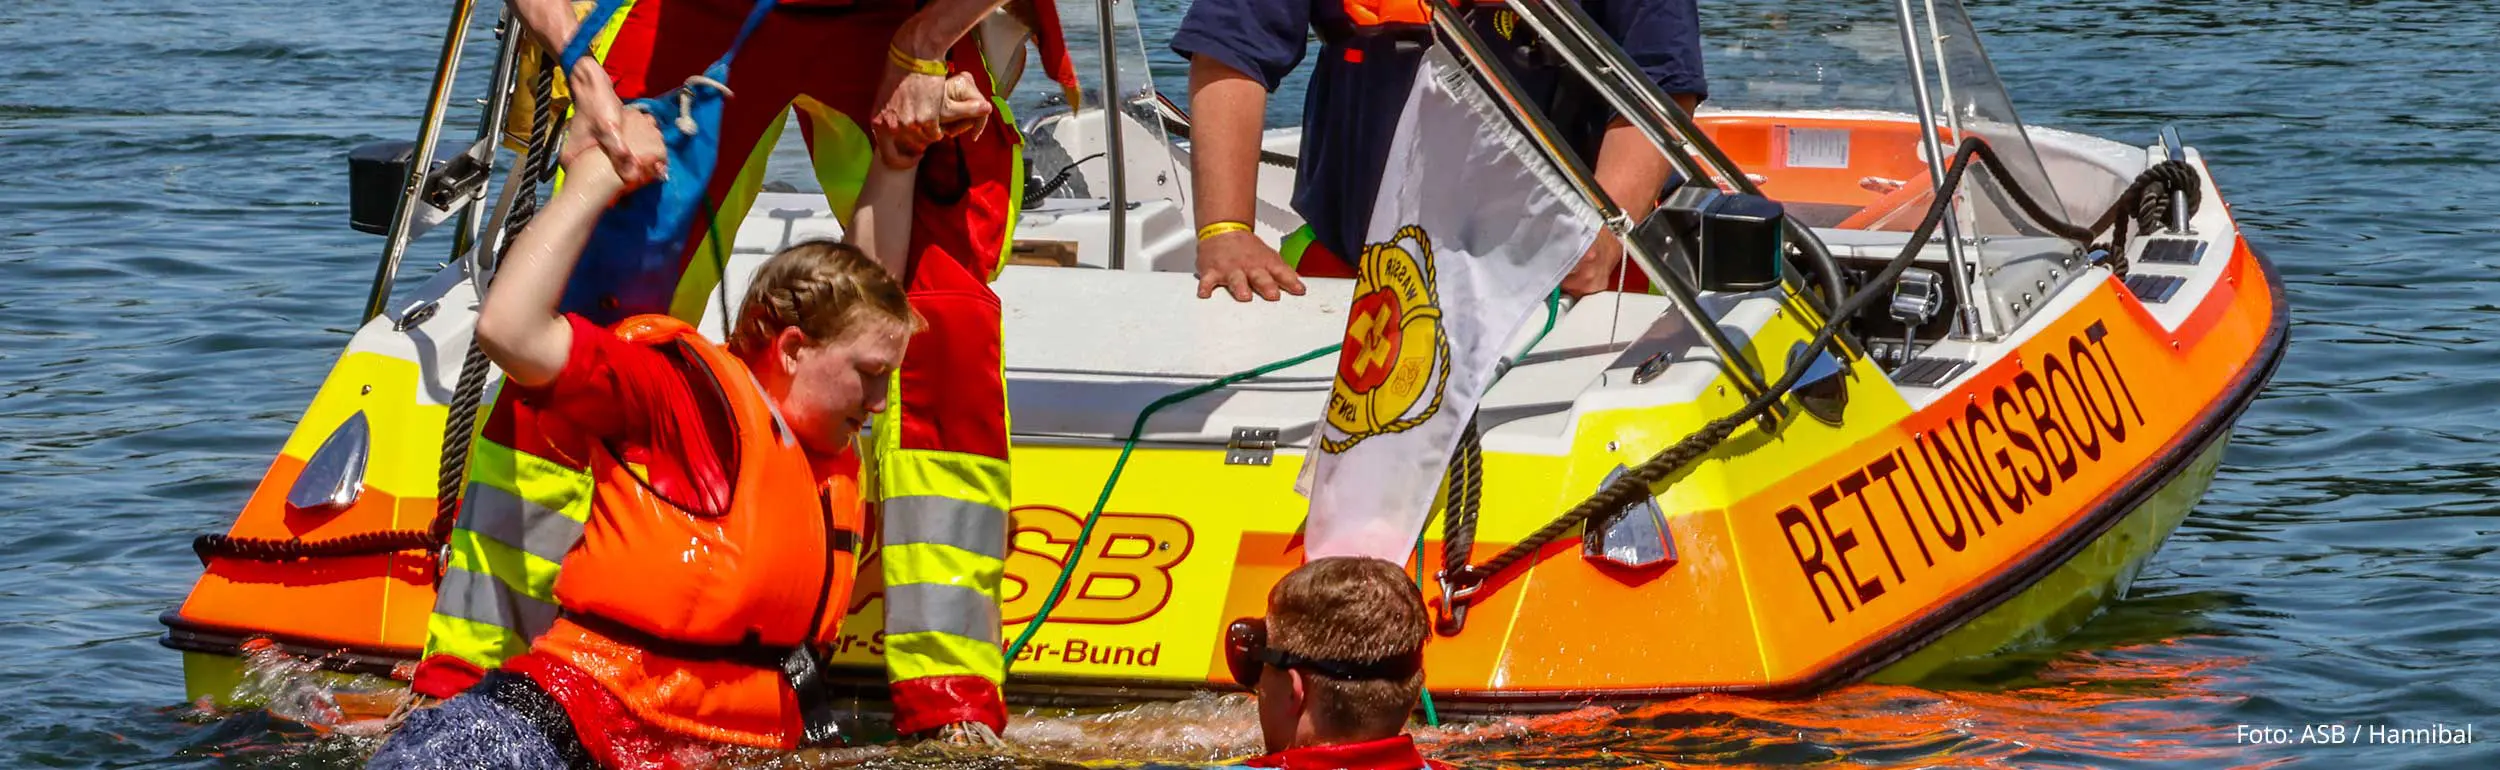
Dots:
pixel 750 651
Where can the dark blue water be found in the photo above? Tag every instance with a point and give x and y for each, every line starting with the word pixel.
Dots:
pixel 176 276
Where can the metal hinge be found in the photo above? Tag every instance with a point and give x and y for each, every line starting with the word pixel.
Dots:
pixel 1251 446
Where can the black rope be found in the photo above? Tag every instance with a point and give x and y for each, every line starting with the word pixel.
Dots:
pixel 1634 485
pixel 2146 205
pixel 461 423
pixel 1463 499
pixel 271 549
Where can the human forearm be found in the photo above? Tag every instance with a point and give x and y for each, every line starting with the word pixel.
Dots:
pixel 882 225
pixel 518 326
pixel 937 26
pixel 550 22
pixel 1227 112
pixel 1630 169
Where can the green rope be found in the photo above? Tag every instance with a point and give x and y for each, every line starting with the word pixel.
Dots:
pixel 1432 717
pixel 1553 312
pixel 1086 533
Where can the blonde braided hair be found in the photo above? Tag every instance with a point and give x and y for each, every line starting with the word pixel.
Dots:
pixel 825 288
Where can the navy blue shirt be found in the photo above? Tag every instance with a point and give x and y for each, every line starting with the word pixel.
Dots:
pixel 1359 85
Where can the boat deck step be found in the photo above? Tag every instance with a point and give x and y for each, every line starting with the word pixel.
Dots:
pixel 1928 371
pixel 2154 288
pixel 2172 251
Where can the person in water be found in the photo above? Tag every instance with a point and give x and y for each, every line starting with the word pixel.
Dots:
pixel 725 511
pixel 1337 665
pixel 870 82
pixel 1240 50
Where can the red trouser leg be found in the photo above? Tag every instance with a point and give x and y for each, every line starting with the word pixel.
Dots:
pixel 943 445
pixel 942 460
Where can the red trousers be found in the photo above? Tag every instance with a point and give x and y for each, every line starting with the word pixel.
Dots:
pixel 950 404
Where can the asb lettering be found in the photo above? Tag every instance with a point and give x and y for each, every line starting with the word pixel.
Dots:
pixel 1125 576
pixel 1938 495
pixel 1081 651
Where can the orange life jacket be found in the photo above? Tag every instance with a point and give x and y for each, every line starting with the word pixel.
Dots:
pixel 686 617
pixel 1376 13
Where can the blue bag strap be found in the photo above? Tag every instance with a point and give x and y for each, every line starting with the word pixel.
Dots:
pixel 600 14
pixel 579 46
pixel 755 18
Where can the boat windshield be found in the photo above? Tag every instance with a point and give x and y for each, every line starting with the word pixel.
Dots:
pixel 1819 102
pixel 1152 170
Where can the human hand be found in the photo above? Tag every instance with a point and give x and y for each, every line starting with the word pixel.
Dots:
pixel 596 108
pixel 961 110
pixel 1241 263
pixel 1596 265
pixel 588 164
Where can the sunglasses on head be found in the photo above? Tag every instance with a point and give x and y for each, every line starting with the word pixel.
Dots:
pixel 1245 650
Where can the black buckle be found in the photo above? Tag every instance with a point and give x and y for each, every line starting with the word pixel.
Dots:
pixel 819 720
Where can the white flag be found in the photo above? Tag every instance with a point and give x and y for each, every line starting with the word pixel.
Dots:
pixel 1471 230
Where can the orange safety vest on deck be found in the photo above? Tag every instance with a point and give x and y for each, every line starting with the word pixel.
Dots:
pixel 686 617
pixel 1377 13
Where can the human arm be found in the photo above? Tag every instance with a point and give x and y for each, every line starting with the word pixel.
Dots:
pixel 1632 172
pixel 1239 50
pixel 915 107
pixel 552 24
pixel 881 224
pixel 1664 38
pixel 518 326
pixel 1224 161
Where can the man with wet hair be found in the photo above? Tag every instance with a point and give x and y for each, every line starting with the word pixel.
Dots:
pixel 1337 665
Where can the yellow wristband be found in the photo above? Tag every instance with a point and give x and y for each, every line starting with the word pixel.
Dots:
pixel 908 62
pixel 1220 228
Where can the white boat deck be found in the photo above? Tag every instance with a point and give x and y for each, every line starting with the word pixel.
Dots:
pixel 1089 347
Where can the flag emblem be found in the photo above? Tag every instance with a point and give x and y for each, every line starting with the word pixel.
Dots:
pixel 1395 363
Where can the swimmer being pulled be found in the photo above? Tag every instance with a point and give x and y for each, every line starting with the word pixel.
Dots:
pixel 725 512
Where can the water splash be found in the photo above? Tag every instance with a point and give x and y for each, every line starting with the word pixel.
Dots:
pixel 286 711
pixel 1207 728
pixel 298 690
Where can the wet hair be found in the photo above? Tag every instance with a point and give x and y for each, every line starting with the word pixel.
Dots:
pixel 827 289
pixel 1351 609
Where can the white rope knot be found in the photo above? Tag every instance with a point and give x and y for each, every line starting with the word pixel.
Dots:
pixel 685 101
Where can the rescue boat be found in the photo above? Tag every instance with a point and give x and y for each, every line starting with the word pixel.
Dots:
pixel 1982 456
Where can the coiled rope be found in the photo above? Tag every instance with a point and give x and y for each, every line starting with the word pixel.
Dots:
pixel 2146 204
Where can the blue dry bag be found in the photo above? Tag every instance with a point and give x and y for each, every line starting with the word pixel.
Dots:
pixel 632 264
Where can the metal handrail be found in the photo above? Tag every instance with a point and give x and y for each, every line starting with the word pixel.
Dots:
pixel 1114 105
pixel 490 126
pixel 446 67
pixel 1541 132
pixel 1618 80
pixel 1972 293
